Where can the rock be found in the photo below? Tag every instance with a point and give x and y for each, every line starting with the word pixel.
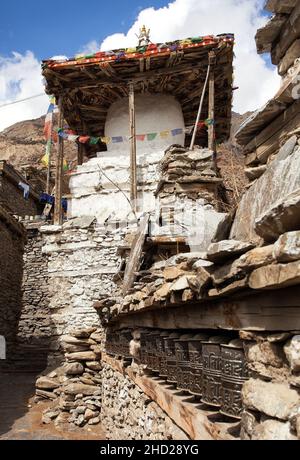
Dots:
pixel 256 258
pixel 162 292
pixel 227 272
pixel 61 420
pixel 189 257
pixel 292 352
pixel 227 249
pixel 273 399
pixel 94 421
pixel 248 423
pixel 74 369
pixel 68 348
pixel 275 276
pixel 265 336
pixel 287 247
pixel 280 180
pixel 89 414
pixel 80 388
pixel 75 341
pixel 231 288
pixel 97 336
pixel 181 284
pixel 200 155
pixel 273 430
pixel 83 333
pixel 265 352
pixel 172 273
pixel 282 217
pixel 94 365
pixel 45 383
pixel 81 356
pixel 287 149
pixel 45 394
pixel 255 173
pixel 200 263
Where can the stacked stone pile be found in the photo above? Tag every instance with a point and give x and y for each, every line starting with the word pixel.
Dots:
pixel 75 387
pixel 227 267
pixel 272 397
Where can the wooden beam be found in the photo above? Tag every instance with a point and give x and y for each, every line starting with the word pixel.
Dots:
pixel 133 167
pixel 133 264
pixel 211 102
pixel 58 218
pixel 262 311
pixel 80 154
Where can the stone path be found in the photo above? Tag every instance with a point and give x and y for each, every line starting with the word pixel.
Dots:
pixel 20 418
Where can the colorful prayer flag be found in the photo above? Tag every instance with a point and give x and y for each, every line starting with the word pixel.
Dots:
pixel 141 137
pixel 84 139
pixel 94 140
pixel 72 137
pixel 151 136
pixel 117 139
pixel 164 134
pixel 177 132
pixel 106 140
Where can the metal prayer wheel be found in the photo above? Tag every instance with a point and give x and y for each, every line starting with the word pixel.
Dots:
pixel 171 357
pixel 212 371
pixel 152 353
pixel 125 338
pixel 234 374
pixel 196 363
pixel 161 352
pixel 182 360
pixel 144 349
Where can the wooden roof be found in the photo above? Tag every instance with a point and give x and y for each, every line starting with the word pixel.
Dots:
pixel 89 85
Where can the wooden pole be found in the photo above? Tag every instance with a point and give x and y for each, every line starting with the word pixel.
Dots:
pixel 211 102
pixel 80 154
pixel 49 169
pixel 133 167
pixel 200 109
pixel 58 218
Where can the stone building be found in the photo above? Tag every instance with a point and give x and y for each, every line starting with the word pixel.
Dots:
pixel 12 241
pixel 16 194
pixel 173 319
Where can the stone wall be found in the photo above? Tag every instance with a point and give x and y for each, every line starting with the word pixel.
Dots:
pixel 128 414
pixel 11 270
pixel 12 198
pixel 82 262
pixel 272 396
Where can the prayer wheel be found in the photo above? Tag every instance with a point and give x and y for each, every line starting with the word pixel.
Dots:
pixel 234 374
pixel 212 371
pixel 123 348
pixel 161 352
pixel 153 352
pixel 172 371
pixel 182 361
pixel 196 363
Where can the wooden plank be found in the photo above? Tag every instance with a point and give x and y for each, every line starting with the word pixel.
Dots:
pixel 59 171
pixel 211 102
pixel 264 311
pixel 133 166
pixel 290 32
pixel 187 415
pixel 133 263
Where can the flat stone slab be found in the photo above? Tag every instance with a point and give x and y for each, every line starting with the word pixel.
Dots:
pixel 227 249
pixel 283 217
pixel 287 247
pixel 275 276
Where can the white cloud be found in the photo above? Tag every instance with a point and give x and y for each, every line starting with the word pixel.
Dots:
pixel 20 75
pixel 20 78
pixel 185 18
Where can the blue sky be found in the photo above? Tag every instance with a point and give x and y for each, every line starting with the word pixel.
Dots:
pixel 57 27
pixel 32 30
